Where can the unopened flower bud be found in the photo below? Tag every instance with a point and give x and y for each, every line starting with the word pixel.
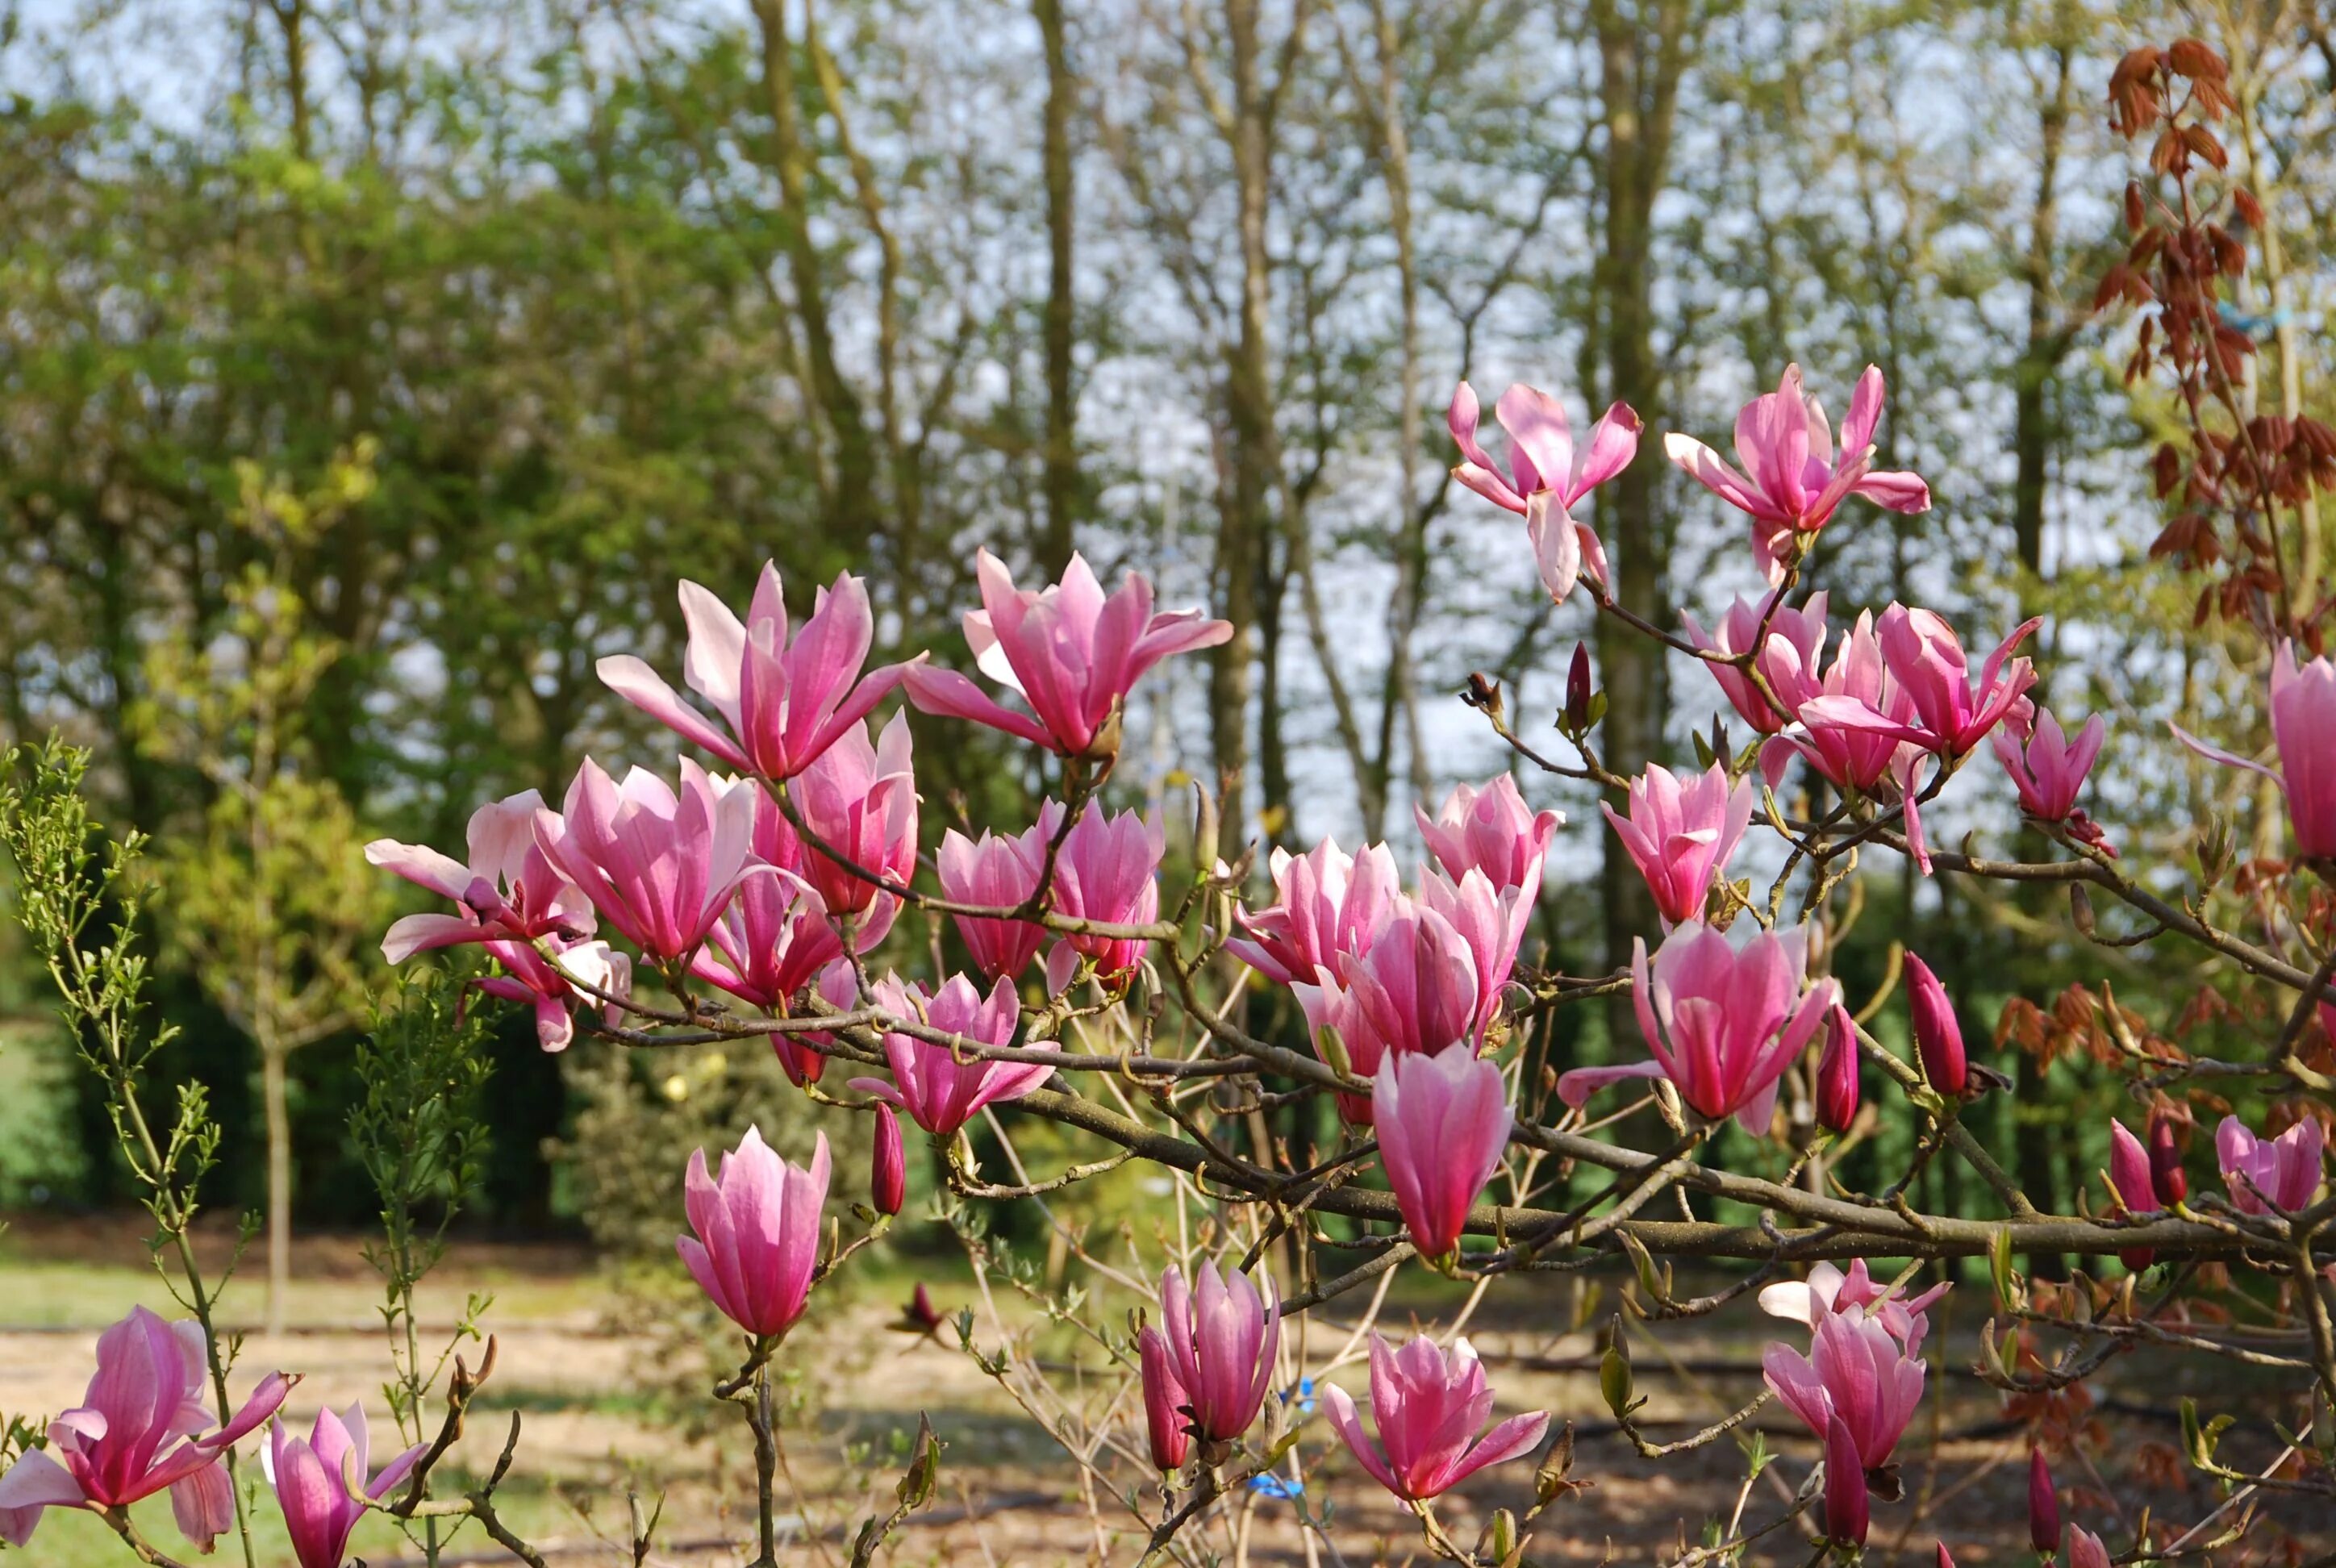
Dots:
pixel 1165 1420
pixel 1504 1535
pixel 2167 1177
pixel 1938 1038
pixel 888 1170
pixel 1837 1073
pixel 1549 1480
pixel 1482 692
pixel 1615 1373
pixel 1577 692
pixel 2043 1506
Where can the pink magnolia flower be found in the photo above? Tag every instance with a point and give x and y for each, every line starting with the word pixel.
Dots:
pixel 1723 1024
pixel 756 1253
pixel 1430 1410
pixel 775 939
pixel 1109 869
pixel 508 890
pixel 1940 711
pixel 1680 835
pixel 2086 1550
pixel 861 800
pixel 2047 769
pixel 785 702
pixel 1838 731
pixel 1326 903
pixel 2283 1170
pixel 660 866
pixel 1442 1121
pixel 1490 922
pixel 2304 728
pixel 1828 1290
pixel 1166 1405
pixel 998 873
pixel 1547 478
pixel 1792 482
pixel 1855 1370
pixel 321 1482
pixel 1066 650
pixel 1803 631
pixel 141 1427
pixel 941 1093
pixel 1491 829
pixel 1835 732
pixel 1415 989
pixel 548 984
pixel 1221 1338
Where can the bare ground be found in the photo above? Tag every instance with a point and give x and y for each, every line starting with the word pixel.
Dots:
pixel 603 1412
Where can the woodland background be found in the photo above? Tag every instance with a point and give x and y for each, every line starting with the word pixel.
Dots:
pixel 368 368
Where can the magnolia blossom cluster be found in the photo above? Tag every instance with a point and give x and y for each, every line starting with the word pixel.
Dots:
pixel 766 883
pixel 776 881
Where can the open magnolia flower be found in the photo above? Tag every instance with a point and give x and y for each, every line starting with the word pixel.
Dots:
pixel 142 1427
pixel 1723 1023
pixel 1069 651
pixel 1430 1409
pixel 1792 481
pixel 784 701
pixel 2304 728
pixel 1547 475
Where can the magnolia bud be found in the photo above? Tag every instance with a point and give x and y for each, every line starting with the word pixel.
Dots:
pixel 1837 1073
pixel 888 1170
pixel 1548 1479
pixel 1577 692
pixel 1615 1373
pixel 2043 1506
pixel 1504 1535
pixel 2129 1178
pixel 1164 1400
pixel 1482 692
pixel 1946 1558
pixel 1938 1038
pixel 2167 1177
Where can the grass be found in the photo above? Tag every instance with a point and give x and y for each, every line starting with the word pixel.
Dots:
pixel 49 1294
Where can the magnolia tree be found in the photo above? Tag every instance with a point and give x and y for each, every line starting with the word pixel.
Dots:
pixel 746 890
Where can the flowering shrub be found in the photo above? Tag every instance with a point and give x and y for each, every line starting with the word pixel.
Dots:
pixel 752 900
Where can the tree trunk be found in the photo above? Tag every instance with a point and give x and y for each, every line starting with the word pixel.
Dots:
pixel 1061 457
pixel 853 505
pixel 1641 59
pixel 273 1095
pixel 1244 512
pixel 2031 376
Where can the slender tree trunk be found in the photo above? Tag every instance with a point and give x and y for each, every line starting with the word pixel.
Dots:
pixel 2032 432
pixel 275 1096
pixel 855 459
pixel 1061 459
pixel 1642 58
pixel 1244 519
pixel 1400 696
